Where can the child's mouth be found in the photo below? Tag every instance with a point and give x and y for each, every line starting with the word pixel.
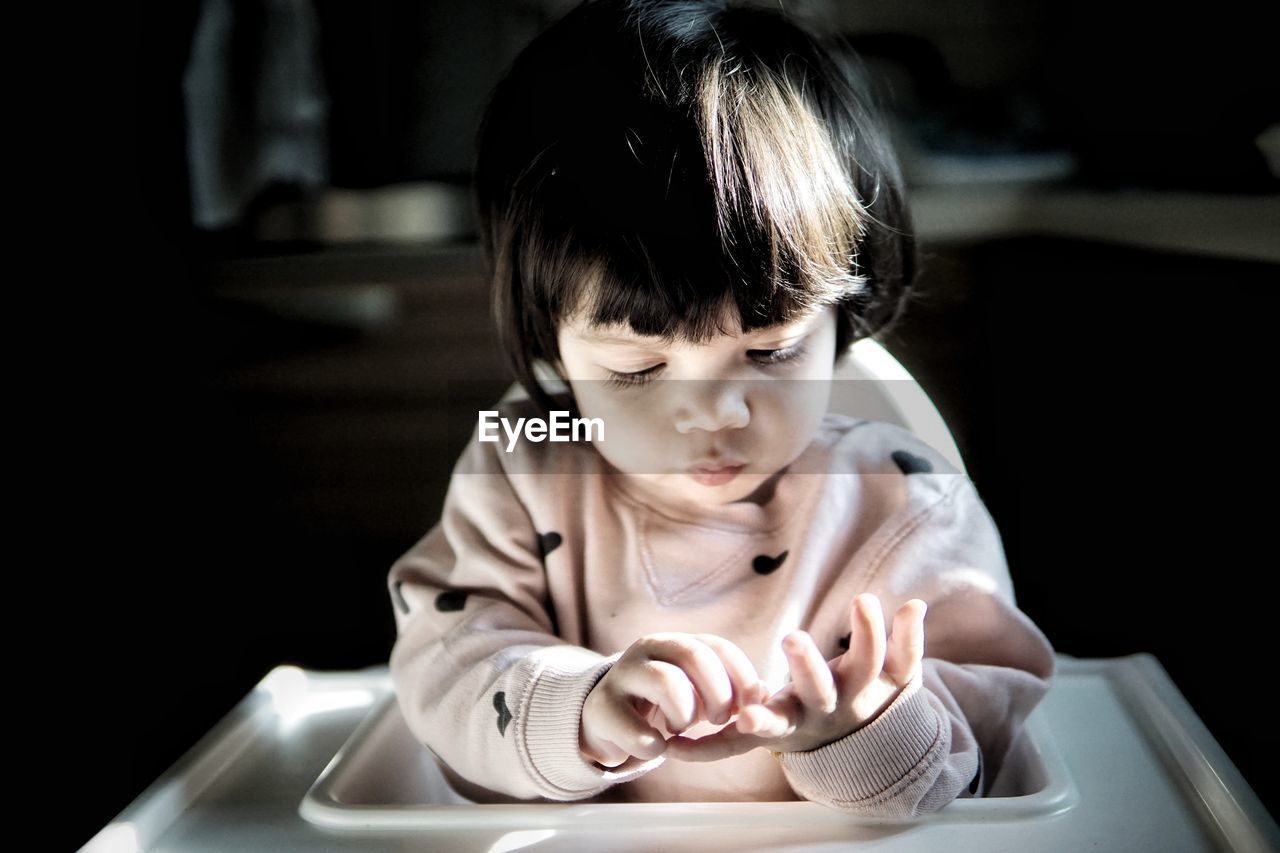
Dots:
pixel 707 475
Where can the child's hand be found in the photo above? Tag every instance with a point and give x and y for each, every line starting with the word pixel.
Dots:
pixel 675 679
pixel 825 700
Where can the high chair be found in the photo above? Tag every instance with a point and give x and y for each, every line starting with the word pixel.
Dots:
pixel 1113 759
pixel 870 383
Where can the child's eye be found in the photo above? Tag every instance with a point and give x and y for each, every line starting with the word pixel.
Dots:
pixel 776 356
pixel 763 357
pixel 631 380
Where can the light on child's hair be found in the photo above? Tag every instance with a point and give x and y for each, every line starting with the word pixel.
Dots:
pixel 114 838
pixel 520 839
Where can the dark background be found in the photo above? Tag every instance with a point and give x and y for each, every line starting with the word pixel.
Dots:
pixel 1110 399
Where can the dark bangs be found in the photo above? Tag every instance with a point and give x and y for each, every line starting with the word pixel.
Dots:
pixel 656 163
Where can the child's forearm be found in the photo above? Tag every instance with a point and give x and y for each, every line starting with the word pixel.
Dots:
pixel 497 706
pixel 485 686
pixel 481 677
pixel 925 749
pixel 949 733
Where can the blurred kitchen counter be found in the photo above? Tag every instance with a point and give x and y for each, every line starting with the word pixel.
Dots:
pixel 1244 227
pixel 416 217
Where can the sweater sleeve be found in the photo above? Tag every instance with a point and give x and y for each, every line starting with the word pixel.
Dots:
pixel 986 667
pixel 479 674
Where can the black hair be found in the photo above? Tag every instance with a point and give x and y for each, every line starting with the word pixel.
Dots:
pixel 654 162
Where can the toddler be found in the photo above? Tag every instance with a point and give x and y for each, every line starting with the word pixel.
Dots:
pixel 721 591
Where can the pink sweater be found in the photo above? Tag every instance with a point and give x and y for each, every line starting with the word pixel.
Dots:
pixel 545 567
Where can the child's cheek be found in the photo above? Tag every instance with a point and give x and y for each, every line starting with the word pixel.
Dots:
pixel 634 440
pixel 790 410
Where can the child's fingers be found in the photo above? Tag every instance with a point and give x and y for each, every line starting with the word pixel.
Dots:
pixel 758 725
pixel 778 718
pixel 810 673
pixel 702 666
pixel 606 753
pixel 614 729
pixel 715 674
pixel 663 684
pixel 865 659
pixel 723 744
pixel 905 653
pixel 747 687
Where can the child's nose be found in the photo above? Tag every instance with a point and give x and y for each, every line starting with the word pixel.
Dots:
pixel 711 406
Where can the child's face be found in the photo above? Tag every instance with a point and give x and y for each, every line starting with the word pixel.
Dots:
pixel 702 423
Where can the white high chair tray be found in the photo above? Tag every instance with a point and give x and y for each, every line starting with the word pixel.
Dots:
pixel 1115 760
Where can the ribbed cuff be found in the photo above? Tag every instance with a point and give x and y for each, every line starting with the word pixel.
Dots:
pixel 870 763
pixel 550 734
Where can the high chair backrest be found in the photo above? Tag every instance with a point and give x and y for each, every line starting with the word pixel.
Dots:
pixel 869 383
pixel 872 384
